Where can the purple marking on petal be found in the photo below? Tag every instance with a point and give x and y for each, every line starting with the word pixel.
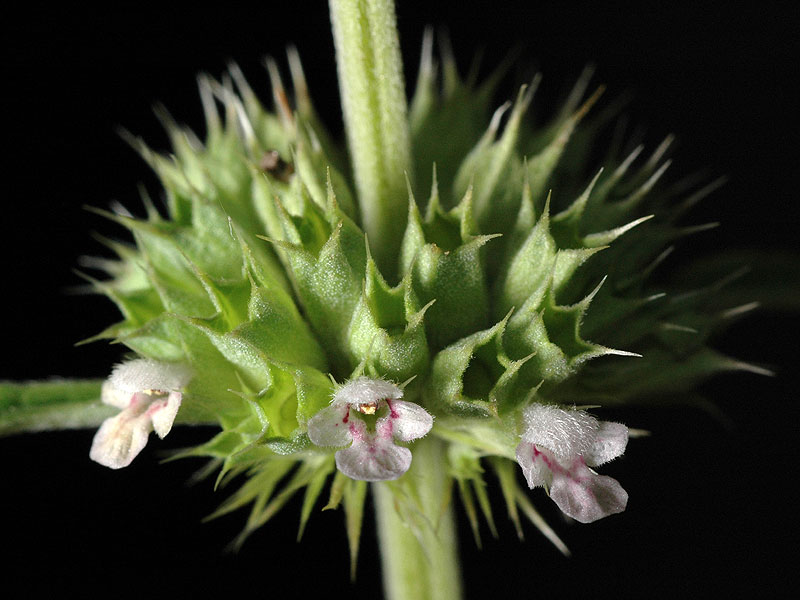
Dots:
pixel 384 428
pixel 392 412
pixel 412 421
pixel 373 459
pixel 155 406
pixel 326 427
pixel 586 496
pixel 356 432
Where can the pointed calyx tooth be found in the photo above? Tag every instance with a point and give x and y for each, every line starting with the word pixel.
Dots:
pixel 603 238
pixel 279 92
pixel 474 376
pixel 249 97
pixel 443 256
pixel 737 311
pixel 566 225
pixel 606 186
pixel 302 95
pixel 210 112
pixel 528 268
pixel 387 329
pixel 487 166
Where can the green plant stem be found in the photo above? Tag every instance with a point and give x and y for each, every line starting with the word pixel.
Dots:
pixel 373 97
pixel 30 406
pixel 419 555
pixel 47 405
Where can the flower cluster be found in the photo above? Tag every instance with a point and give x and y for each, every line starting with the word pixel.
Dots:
pixel 368 415
pixel 491 283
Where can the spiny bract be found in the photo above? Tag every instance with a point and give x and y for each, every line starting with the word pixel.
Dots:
pixel 260 279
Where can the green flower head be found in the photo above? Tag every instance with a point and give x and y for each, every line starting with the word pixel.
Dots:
pixel 453 289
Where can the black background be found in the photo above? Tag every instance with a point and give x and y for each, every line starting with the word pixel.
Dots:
pixel 711 505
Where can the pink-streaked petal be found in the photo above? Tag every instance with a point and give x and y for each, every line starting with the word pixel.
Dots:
pixel 586 496
pixel 609 444
pixel 534 463
pixel 366 390
pixel 409 421
pixel 373 459
pixel 332 426
pixel 162 413
pixel 120 439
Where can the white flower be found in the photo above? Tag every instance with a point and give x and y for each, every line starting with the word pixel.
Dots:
pixel 372 455
pixel 556 447
pixel 148 394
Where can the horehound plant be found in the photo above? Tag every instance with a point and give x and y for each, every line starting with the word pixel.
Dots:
pixel 409 312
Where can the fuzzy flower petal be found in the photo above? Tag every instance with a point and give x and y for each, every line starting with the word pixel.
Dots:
pixel 534 464
pixel 331 426
pixel 409 421
pixel 565 433
pixel 162 413
pixel 114 396
pixel 372 455
pixel 609 443
pixel 120 439
pixel 148 394
pixel 586 496
pixel 556 447
pixel 364 391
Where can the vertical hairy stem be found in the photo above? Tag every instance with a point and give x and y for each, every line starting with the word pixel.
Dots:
pixel 420 556
pixel 375 117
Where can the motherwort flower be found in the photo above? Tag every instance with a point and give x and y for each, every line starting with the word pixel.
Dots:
pixel 556 450
pixel 372 455
pixel 148 394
